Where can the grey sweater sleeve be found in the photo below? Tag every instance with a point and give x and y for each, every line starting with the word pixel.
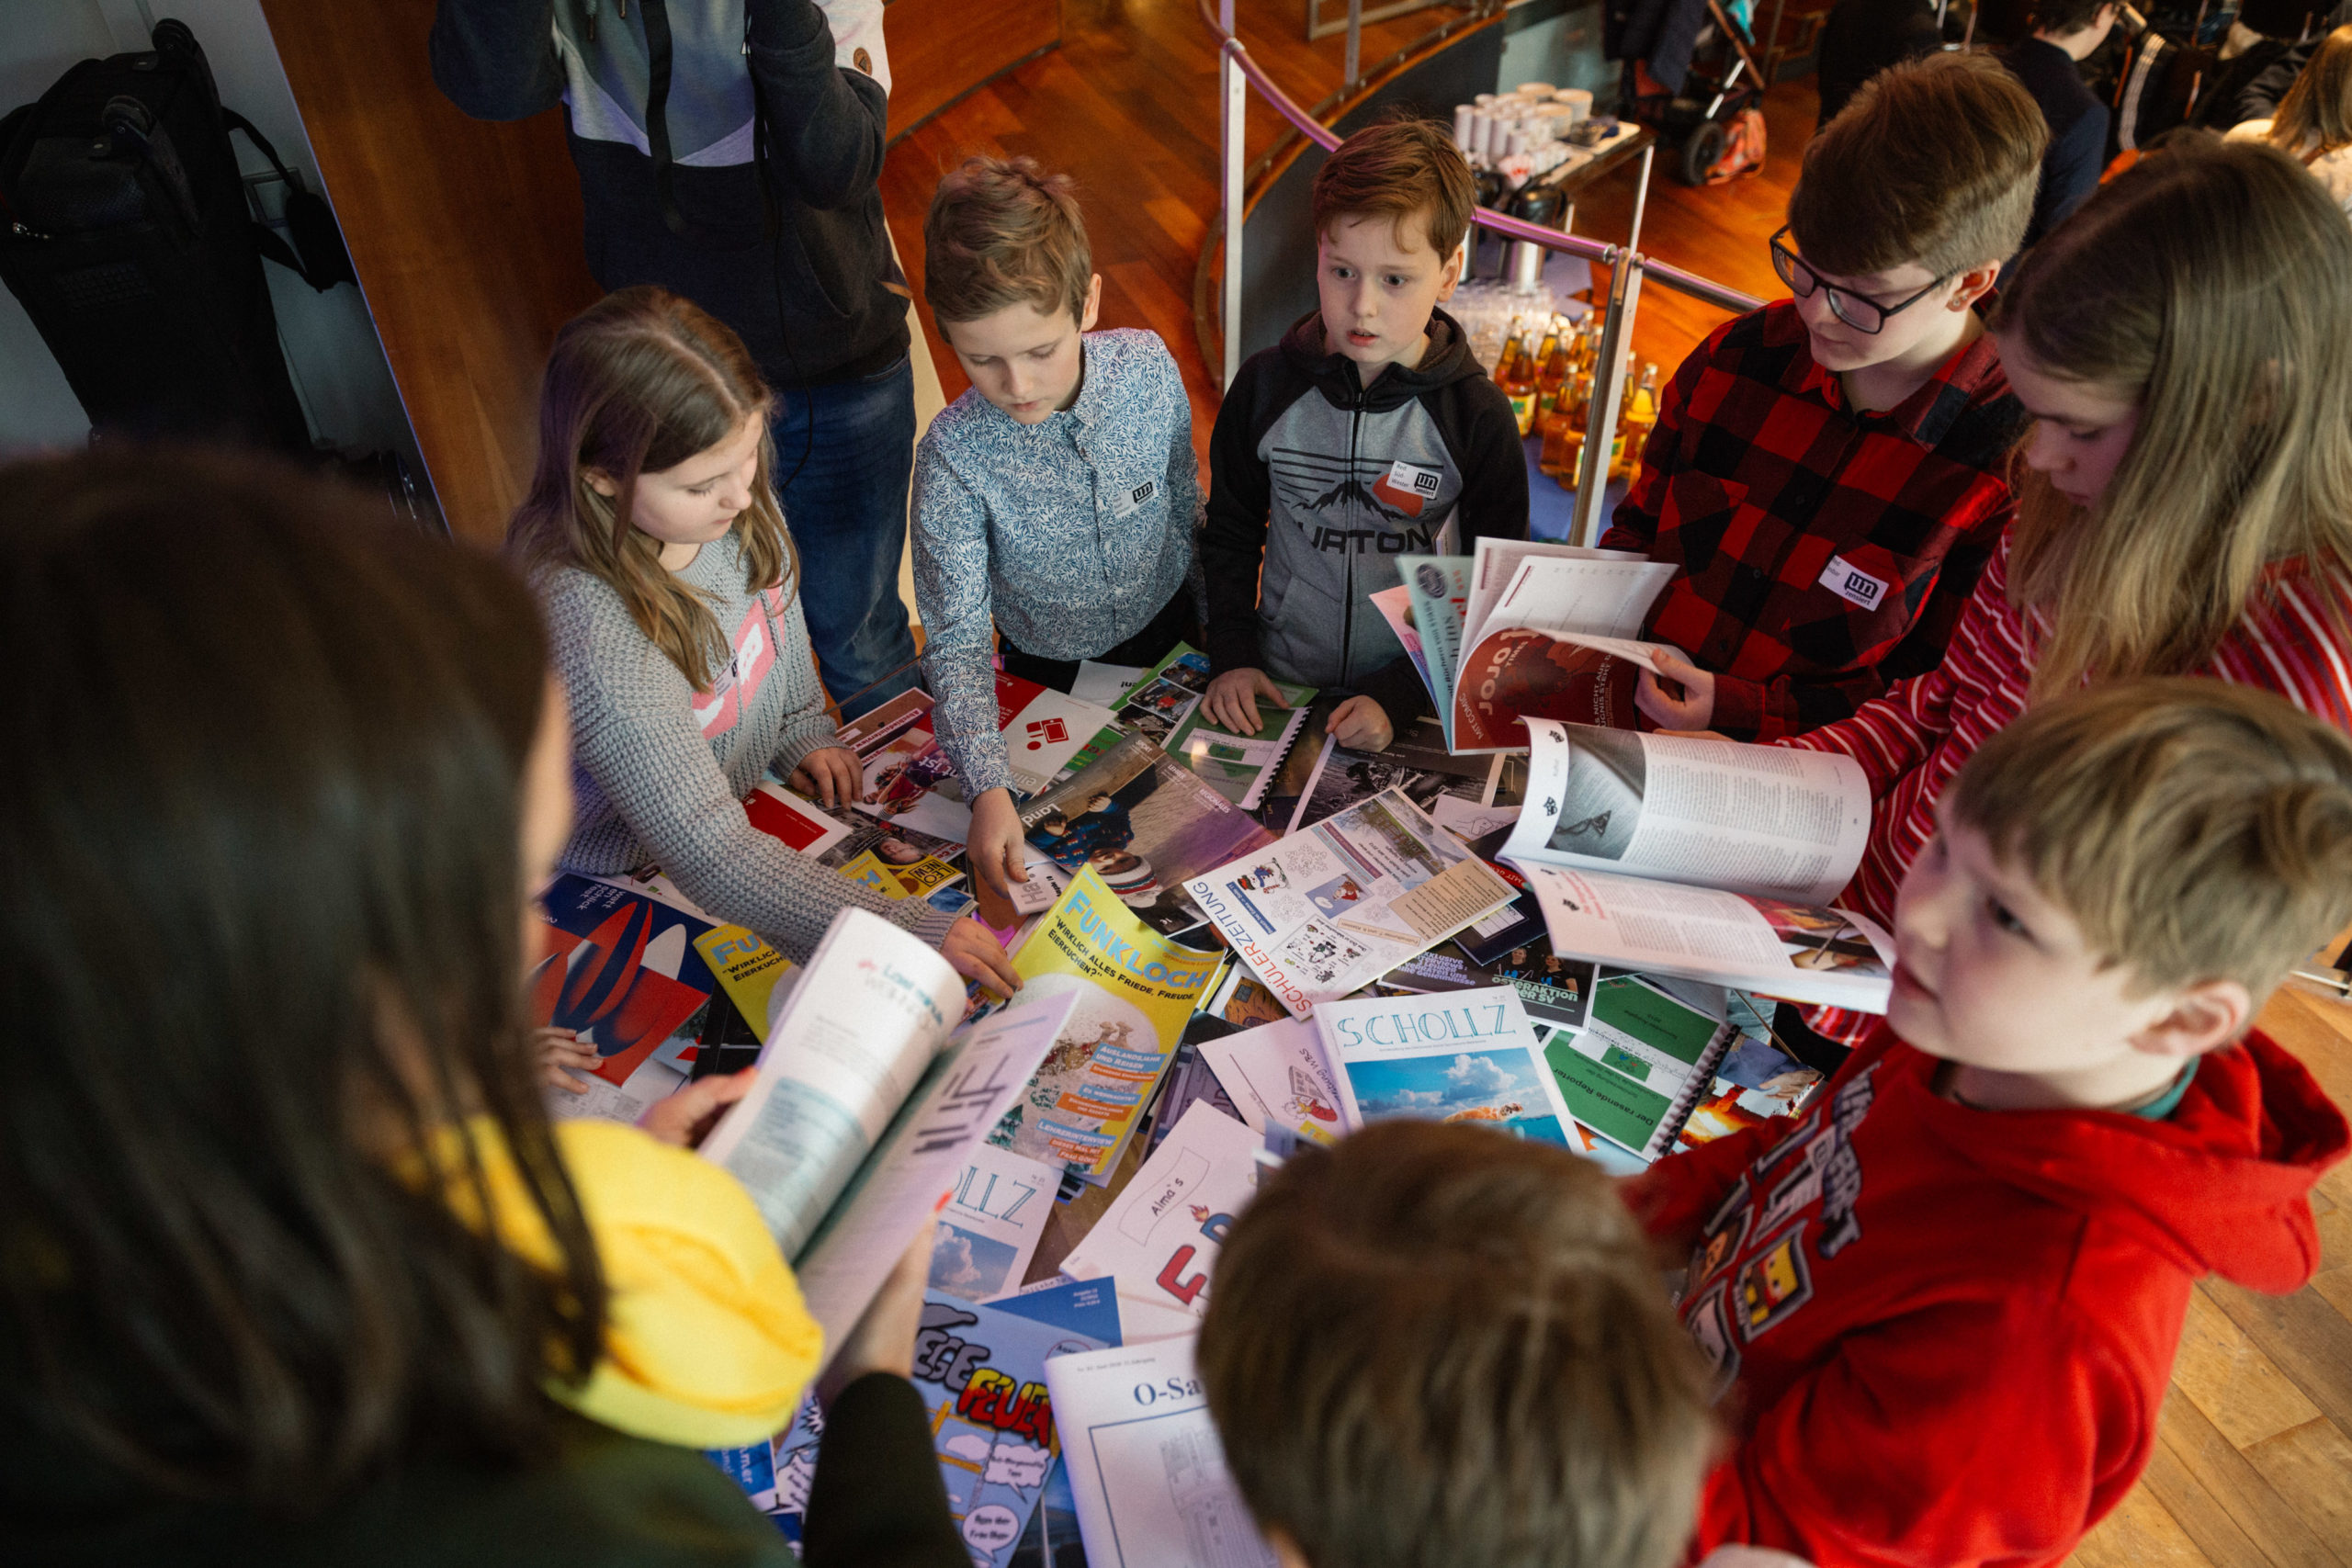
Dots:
pixel 634 735
pixel 807 726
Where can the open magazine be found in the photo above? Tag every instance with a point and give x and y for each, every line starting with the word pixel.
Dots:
pixel 1706 858
pixel 868 1104
pixel 1525 630
pixel 1334 907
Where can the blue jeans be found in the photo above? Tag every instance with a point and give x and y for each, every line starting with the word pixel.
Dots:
pixel 847 508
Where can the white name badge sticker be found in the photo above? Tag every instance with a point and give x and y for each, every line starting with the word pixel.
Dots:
pixel 1852 584
pixel 1414 480
pixel 1126 502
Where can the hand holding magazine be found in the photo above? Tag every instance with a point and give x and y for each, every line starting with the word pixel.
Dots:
pixel 1705 859
pixel 868 1105
pixel 1526 630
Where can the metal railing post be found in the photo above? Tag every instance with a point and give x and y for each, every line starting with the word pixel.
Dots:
pixel 1355 42
pixel 1233 104
pixel 1641 196
pixel 1608 393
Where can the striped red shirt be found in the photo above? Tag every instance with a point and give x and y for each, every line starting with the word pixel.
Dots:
pixel 1913 740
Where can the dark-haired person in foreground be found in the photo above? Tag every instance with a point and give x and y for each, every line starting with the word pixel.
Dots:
pixel 284 782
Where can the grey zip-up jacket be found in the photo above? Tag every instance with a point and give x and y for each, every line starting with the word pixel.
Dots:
pixel 1324 482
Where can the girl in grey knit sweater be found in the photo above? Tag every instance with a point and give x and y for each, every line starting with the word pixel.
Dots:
pixel 670 585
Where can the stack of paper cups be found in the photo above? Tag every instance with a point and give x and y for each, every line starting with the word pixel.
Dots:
pixel 1463 113
pixel 1579 102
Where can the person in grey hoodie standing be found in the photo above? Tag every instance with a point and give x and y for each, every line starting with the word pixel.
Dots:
pixel 728 150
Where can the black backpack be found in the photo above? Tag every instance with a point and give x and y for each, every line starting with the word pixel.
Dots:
pixel 126 232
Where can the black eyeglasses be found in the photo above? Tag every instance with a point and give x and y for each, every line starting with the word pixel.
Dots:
pixel 1858 311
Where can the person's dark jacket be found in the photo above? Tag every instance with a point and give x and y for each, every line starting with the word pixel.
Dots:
pixel 803 272
pixel 1660 34
pixel 2077 151
pixel 1863 38
pixel 2258 98
pixel 608 1501
pixel 1324 482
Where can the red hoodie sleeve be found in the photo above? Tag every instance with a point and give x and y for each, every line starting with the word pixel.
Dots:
pixel 1675 1196
pixel 1958 1437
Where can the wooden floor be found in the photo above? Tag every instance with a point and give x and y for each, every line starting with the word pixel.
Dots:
pixel 2256 1466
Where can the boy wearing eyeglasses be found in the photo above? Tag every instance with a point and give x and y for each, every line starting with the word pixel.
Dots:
pixel 1827 472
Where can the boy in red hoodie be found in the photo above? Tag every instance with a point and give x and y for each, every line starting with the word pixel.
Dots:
pixel 1946 1299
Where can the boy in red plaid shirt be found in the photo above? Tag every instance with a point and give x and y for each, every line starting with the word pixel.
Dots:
pixel 1827 472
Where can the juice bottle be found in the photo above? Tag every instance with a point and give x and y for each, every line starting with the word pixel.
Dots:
pixel 1507 361
pixel 1639 418
pixel 1519 384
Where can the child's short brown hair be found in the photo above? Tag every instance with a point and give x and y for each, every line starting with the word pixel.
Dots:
pixel 2196 830
pixel 1399 170
pixel 1441 1345
pixel 1002 232
pixel 1935 161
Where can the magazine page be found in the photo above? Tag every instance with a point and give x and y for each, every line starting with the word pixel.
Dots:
pixel 1468 1056
pixel 1146 824
pixel 905 1181
pixel 756 977
pixel 1518 664
pixel 1133 990
pixel 1395 607
pixel 1555 991
pixel 872 1009
pixel 1158 1239
pixel 1417 762
pixel 796 823
pixel 1043 728
pixel 1104 684
pixel 1331 908
pixel 1437 595
pixel 1146 1468
pixel 1165 705
pixel 1765 820
pixel 995 1216
pixel 621 972
pixel 1495 563
pixel 1797 952
pixel 981 1373
pixel 1277 1078
pixel 1644 1058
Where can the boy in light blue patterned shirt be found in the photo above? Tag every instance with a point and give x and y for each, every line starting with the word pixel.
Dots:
pixel 1055 501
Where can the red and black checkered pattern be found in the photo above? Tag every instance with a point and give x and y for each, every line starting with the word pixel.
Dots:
pixel 1759 474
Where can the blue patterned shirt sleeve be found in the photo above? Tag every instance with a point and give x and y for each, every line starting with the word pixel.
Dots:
pixel 1068 535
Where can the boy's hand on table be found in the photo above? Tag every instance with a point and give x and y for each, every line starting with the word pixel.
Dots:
pixel 1233 699
pixel 686 1118
pixel 996 844
pixel 884 1339
pixel 830 776
pixel 561 1055
pixel 1361 724
pixel 1693 707
pixel 976 954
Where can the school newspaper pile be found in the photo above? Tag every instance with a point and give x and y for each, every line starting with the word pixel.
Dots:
pixel 1231 946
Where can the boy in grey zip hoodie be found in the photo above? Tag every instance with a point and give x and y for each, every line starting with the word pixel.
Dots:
pixel 1370 431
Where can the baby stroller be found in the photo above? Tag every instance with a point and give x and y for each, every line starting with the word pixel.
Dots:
pixel 1692 75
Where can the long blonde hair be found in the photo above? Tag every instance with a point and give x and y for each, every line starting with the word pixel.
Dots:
pixel 638 382
pixel 2211 284
pixel 2319 106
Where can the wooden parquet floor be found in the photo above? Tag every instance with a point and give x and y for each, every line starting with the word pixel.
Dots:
pixel 2255 1465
